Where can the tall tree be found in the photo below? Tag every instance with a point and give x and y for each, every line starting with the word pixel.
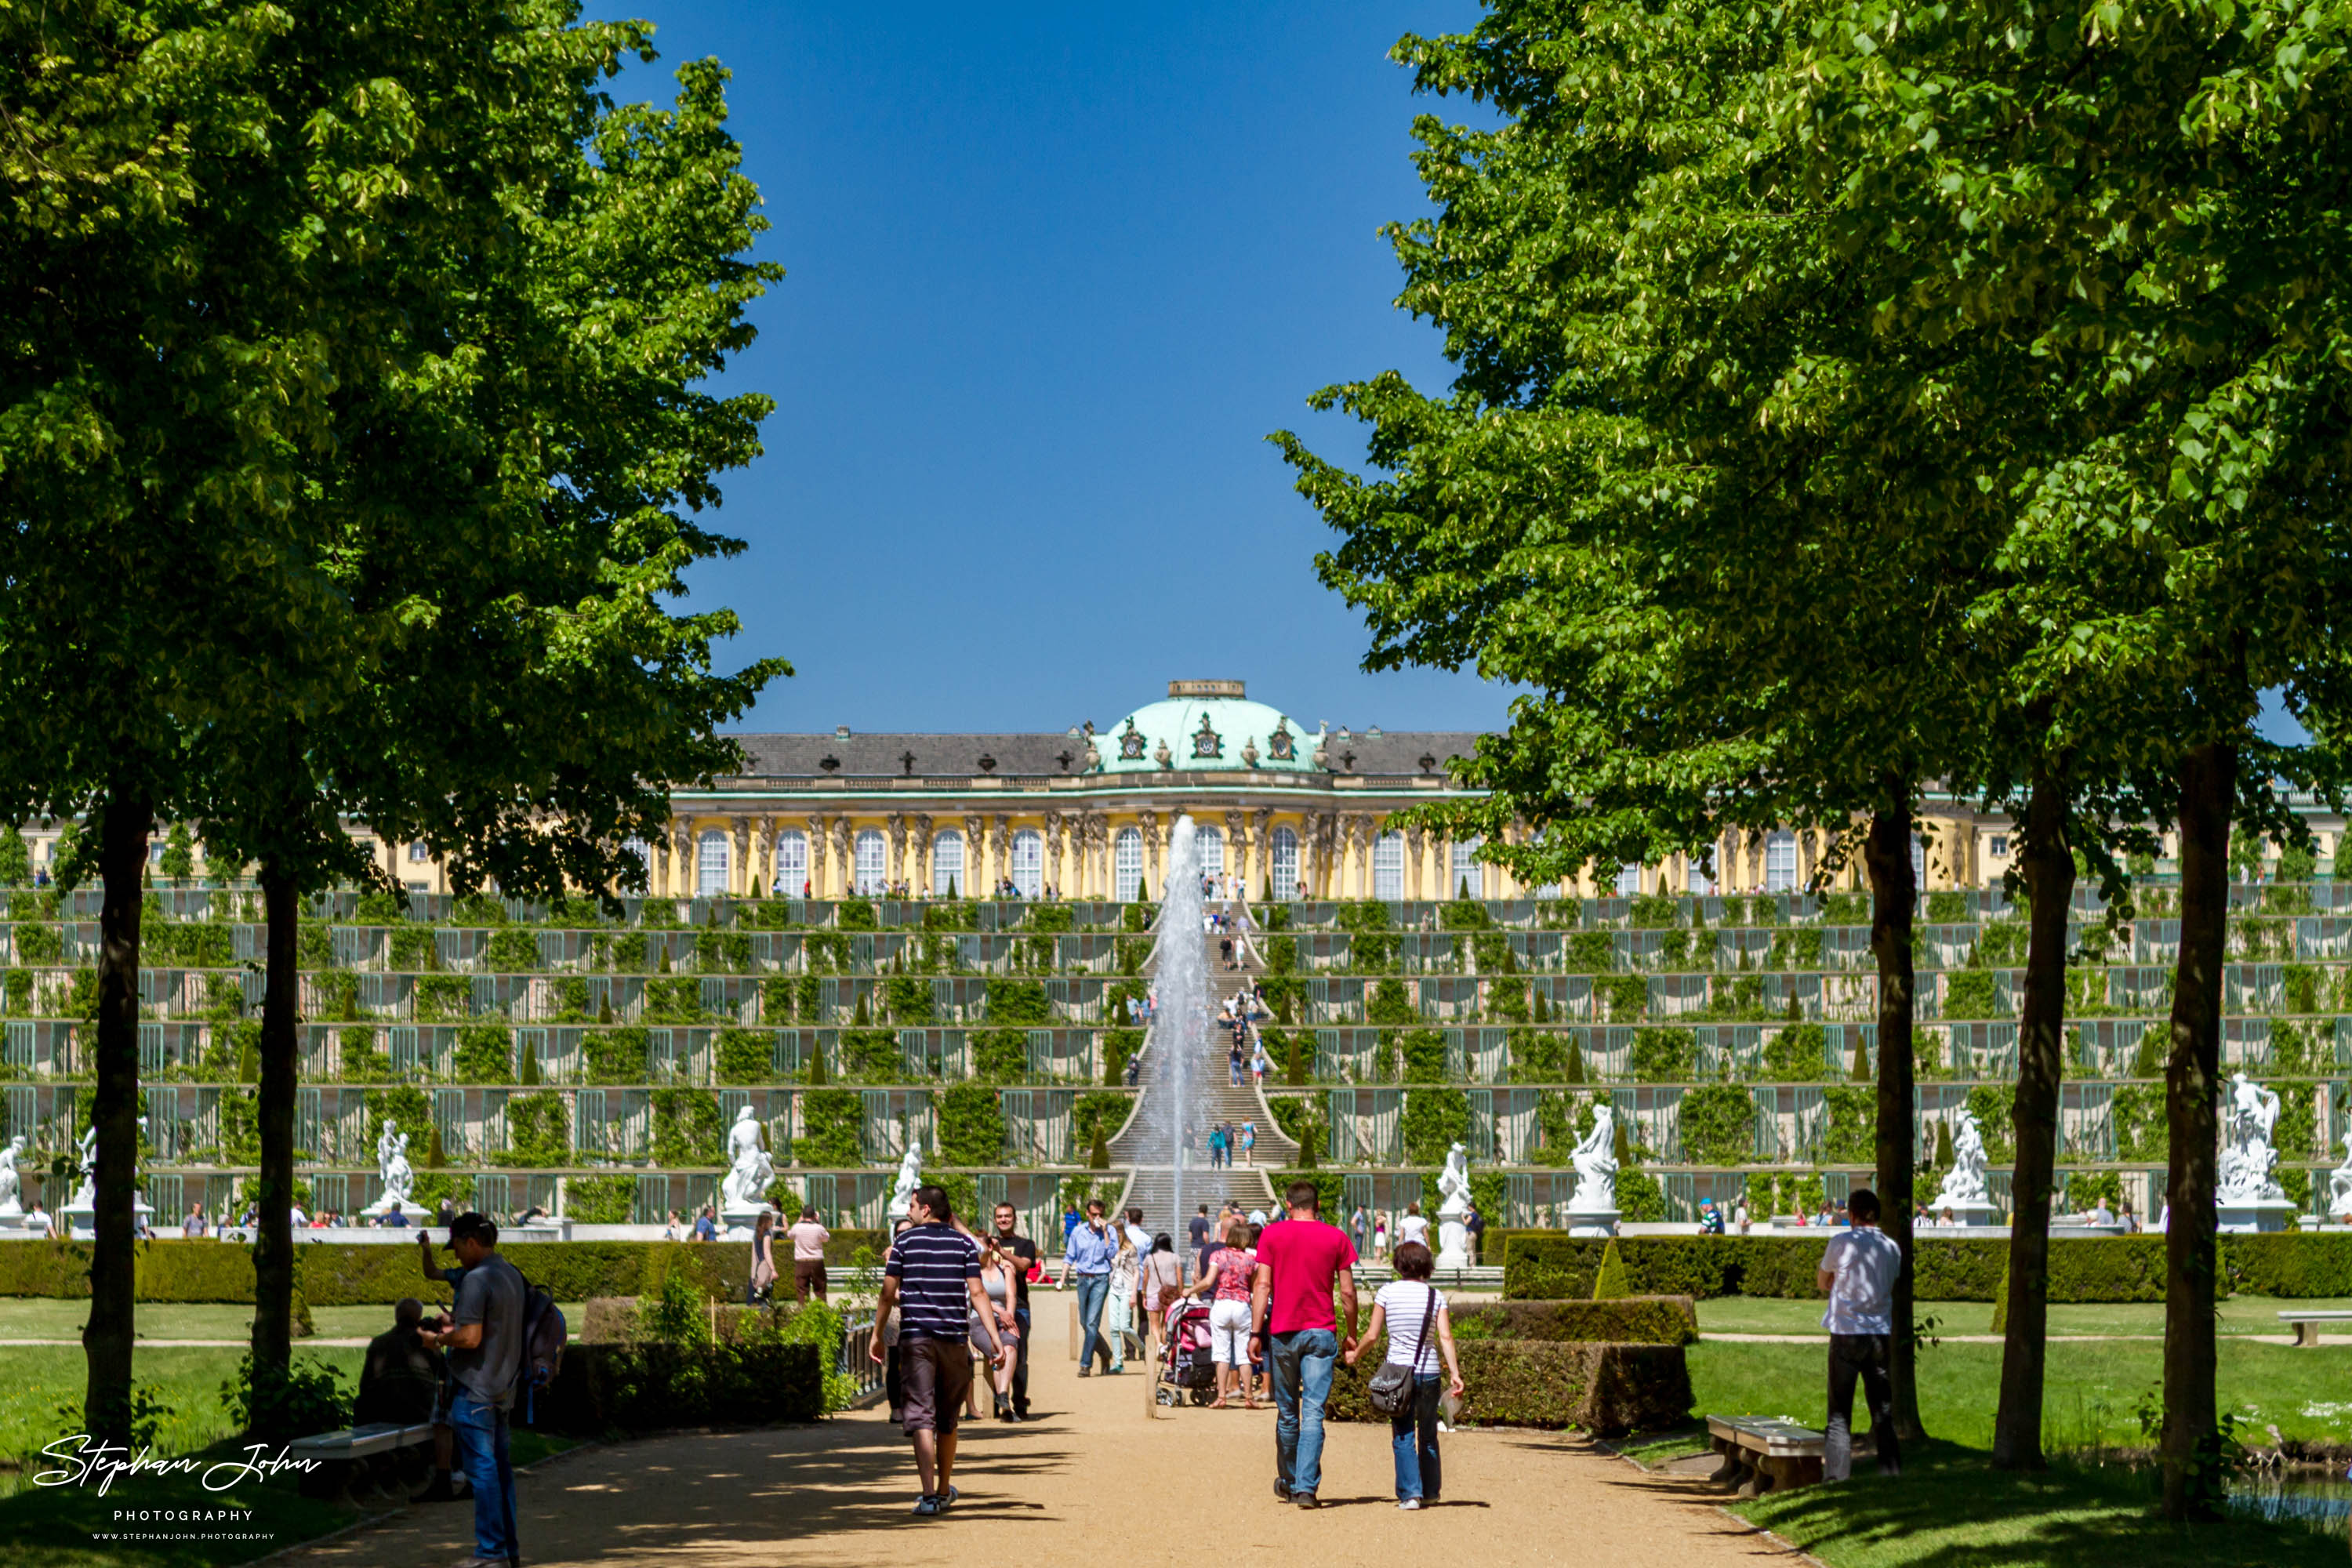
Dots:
pixel 1723 530
pixel 502 513
pixel 2149 195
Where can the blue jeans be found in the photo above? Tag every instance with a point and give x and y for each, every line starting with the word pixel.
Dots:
pixel 1093 1289
pixel 1303 1359
pixel 479 1431
pixel 1413 1434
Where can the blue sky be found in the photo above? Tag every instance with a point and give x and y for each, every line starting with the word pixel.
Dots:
pixel 1055 271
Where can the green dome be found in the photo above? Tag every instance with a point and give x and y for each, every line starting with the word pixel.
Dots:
pixel 1207 726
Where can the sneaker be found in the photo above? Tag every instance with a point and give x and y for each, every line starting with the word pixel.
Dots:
pixel 1304 1499
pixel 926 1506
pixel 1411 1505
pixel 947 1498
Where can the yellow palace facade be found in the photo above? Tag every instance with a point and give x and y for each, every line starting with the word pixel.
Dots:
pixel 1084 814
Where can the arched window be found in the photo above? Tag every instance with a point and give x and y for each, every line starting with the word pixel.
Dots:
pixel 710 865
pixel 947 864
pixel 869 861
pixel 1029 863
pixel 792 864
pixel 1388 866
pixel 1127 865
pixel 1465 870
pixel 1780 862
pixel 1699 884
pixel 1629 881
pixel 1212 850
pixel 1285 869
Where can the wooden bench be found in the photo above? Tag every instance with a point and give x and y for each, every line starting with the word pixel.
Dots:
pixel 343 1457
pixel 1767 1453
pixel 2307 1325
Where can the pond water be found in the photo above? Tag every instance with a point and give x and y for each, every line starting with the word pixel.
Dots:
pixel 2306 1496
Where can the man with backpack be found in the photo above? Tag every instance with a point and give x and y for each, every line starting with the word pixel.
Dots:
pixel 486 1345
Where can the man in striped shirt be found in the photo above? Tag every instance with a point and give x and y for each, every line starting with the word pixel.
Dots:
pixel 933 1280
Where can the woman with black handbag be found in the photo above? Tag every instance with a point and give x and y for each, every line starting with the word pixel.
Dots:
pixel 1405 1388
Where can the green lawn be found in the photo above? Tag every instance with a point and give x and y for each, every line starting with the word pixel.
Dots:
pixel 2091 1388
pixel 2239 1315
pixel 1952 1510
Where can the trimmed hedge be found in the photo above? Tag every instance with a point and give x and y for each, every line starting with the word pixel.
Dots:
pixel 604 1388
pixel 1630 1319
pixel 1551 1384
pixel 1548 1266
pixel 346 1274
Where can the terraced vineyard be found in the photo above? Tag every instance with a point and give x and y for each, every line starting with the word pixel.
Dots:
pixel 588 1064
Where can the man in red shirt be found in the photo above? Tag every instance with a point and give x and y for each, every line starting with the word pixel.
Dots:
pixel 1299 1262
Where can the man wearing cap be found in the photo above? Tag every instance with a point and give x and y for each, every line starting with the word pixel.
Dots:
pixel 485 1344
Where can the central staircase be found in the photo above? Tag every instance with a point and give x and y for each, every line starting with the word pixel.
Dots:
pixel 1151 1185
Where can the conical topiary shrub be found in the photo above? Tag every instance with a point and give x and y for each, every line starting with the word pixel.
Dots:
pixel 1611 1284
pixel 812 1072
pixel 1098 1151
pixel 1574 1071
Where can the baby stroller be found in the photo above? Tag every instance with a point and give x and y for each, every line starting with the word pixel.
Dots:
pixel 1185 1366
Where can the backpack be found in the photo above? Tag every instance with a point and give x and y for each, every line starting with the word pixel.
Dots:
pixel 544 1335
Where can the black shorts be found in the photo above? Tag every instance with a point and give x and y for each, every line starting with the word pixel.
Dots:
pixel 936 1375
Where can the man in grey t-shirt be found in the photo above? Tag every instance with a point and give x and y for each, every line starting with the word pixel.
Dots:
pixel 485 1344
pixel 1858 1272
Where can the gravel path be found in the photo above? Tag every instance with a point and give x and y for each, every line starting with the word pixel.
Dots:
pixel 1093 1481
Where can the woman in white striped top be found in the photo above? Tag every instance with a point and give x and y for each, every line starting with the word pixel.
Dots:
pixel 1403 1305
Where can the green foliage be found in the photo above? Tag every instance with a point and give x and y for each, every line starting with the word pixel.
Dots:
pixel 1019 1002
pixel 485 1054
pixel 39 945
pixel 1664 1055
pixel 746 1055
pixel 722 952
pixel 834 1119
pixel 616 1055
pixel 907 999
pixel 538 1133
pixel 179 859
pixel 1281 954
pixel 1653 911
pixel 687 1128
pixel 1464 914
pixel 1851 1136
pixel 1970 993
pixel 278 1406
pixel 16 858
pixel 600 1200
pixel 971 1125
pixel 1609 1283
pixel 674 1001
pixel 1000 1056
pixel 1388 1004
pixel 1424 1056
pixel 856 914
pixel 1098 1114
pixel 412 948
pixel 512 950
pixel 441 998
pixel 1432 1120
pixel 1718 1124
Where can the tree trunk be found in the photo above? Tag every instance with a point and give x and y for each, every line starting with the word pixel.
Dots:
pixel 2208 781
pixel 114 1113
pixel 2048 864
pixel 1894 901
pixel 273 1251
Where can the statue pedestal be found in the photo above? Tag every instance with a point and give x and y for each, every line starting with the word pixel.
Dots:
pixel 417 1213
pixel 739 1223
pixel 1962 1214
pixel 2255 1216
pixel 1453 1244
pixel 1592 1221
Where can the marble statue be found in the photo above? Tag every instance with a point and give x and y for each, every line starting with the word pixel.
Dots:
pixel 911 1171
pixel 2248 1163
pixel 749 1171
pixel 82 1210
pixel 391 1167
pixel 1964 1183
pixel 1453 1191
pixel 2339 1183
pixel 1595 1159
pixel 11 1184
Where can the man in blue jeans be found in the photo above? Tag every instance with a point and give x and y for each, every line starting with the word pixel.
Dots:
pixel 484 1345
pixel 1290 1306
pixel 1091 1248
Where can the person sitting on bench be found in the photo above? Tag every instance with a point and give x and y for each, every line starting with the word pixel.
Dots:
pixel 399 1377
